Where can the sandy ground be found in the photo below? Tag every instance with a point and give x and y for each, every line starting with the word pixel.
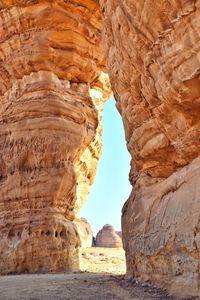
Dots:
pixel 102 278
pixel 103 260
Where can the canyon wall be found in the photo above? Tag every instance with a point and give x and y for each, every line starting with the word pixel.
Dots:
pixel 52 87
pixel 153 51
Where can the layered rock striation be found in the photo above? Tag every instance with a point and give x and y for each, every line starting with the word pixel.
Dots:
pixel 153 51
pixel 108 238
pixel 52 87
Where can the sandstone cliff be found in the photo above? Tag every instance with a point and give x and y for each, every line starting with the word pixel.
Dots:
pixel 153 51
pixel 52 87
pixel 84 231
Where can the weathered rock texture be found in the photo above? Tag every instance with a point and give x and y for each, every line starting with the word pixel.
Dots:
pixel 84 231
pixel 108 238
pixel 52 87
pixel 153 50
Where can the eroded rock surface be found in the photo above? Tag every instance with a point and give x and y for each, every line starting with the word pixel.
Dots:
pixel 108 238
pixel 153 51
pixel 84 231
pixel 52 87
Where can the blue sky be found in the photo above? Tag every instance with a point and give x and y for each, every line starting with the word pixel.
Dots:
pixel 111 187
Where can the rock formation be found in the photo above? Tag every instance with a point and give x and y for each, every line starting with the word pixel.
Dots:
pixel 153 51
pixel 108 238
pixel 84 231
pixel 119 234
pixel 52 87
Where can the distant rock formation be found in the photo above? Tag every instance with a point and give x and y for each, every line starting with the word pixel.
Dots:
pixel 93 241
pixel 108 238
pixel 85 232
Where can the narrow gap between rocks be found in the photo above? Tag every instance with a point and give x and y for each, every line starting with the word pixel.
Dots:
pixel 108 194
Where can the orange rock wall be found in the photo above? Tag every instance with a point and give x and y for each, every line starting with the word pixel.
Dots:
pixel 52 87
pixel 153 51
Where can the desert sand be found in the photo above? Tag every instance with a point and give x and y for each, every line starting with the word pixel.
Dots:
pixel 102 278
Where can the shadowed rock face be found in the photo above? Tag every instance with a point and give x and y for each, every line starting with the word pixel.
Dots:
pixel 84 231
pixel 154 62
pixel 108 238
pixel 52 87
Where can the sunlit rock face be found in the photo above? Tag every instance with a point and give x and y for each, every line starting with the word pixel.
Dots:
pixel 52 87
pixel 108 238
pixel 154 65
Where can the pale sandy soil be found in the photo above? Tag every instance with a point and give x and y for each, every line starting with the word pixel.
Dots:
pixel 102 279
pixel 103 260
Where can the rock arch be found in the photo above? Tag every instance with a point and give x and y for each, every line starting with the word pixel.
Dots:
pixel 53 83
